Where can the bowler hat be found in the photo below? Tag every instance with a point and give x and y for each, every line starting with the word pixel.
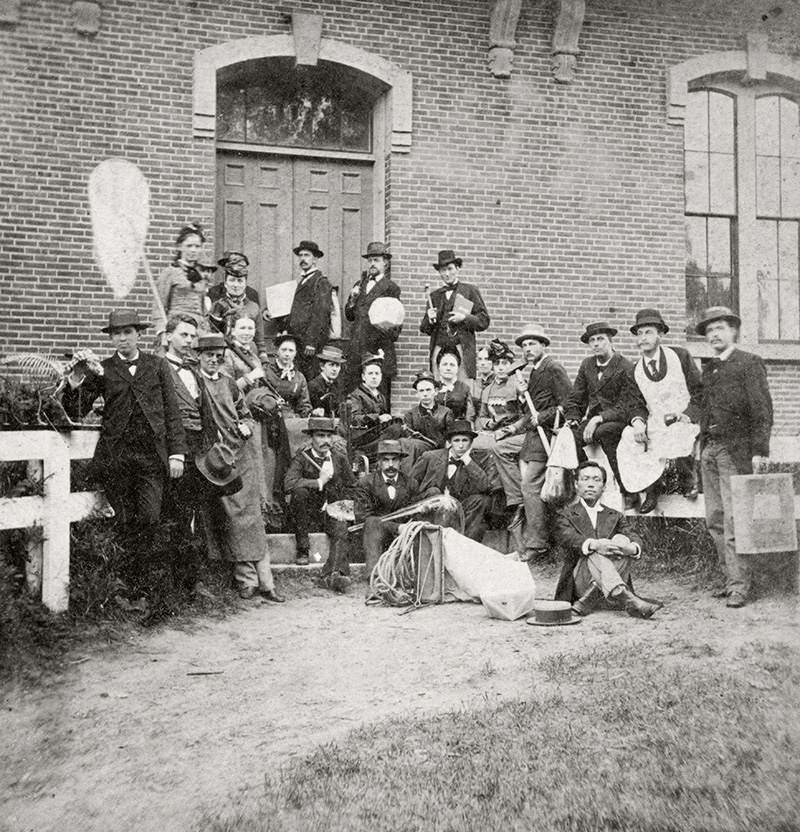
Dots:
pixel 121 318
pixel 211 341
pixel 649 317
pixel 446 257
pixel 328 353
pixel 320 424
pixel 391 447
pixel 217 464
pixel 461 427
pixel 532 331
pixel 377 250
pixel 308 245
pixel 426 375
pixel 717 313
pixel 235 263
pixel 598 328
pixel 552 614
pixel 370 358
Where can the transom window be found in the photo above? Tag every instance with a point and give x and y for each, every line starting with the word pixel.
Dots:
pixel 742 166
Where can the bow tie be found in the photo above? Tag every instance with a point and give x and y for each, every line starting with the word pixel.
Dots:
pixel 457 462
pixel 132 362
pixel 391 482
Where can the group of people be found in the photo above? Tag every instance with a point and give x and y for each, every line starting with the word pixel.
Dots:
pixel 218 434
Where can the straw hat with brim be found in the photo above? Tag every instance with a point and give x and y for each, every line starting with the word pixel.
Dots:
pixel 649 317
pixel 333 354
pixel 717 313
pixel 320 424
pixel 309 245
pixel 461 427
pixel 598 328
pixel 213 341
pixel 217 464
pixel 122 318
pixel 390 447
pixel 552 614
pixel 446 257
pixel 377 250
pixel 532 331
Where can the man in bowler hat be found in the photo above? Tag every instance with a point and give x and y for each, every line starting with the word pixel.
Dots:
pixel 735 427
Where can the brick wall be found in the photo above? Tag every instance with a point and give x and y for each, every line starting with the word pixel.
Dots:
pixel 565 201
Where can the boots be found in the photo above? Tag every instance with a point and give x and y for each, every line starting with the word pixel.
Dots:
pixel 589 600
pixel 637 607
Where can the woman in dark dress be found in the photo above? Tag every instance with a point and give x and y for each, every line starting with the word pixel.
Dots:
pixel 455 394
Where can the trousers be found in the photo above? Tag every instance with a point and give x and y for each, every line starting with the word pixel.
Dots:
pixel 607 573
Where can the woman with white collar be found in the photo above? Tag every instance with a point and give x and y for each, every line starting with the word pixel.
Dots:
pixel 455 394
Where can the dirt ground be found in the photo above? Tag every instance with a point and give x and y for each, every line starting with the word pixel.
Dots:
pixel 129 740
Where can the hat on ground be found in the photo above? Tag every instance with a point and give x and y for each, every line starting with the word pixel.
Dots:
pixel 552 614
pixel 532 331
pixel 426 375
pixel 500 350
pixel 377 250
pixel 446 257
pixel 331 354
pixel 235 263
pixel 372 358
pixel 308 245
pixel 390 447
pixel 461 427
pixel 217 464
pixel 649 317
pixel 717 313
pixel 121 318
pixel 285 336
pixel 320 424
pixel 598 328
pixel 211 341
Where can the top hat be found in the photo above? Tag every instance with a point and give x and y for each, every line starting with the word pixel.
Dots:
pixel 596 328
pixel 377 250
pixel 446 257
pixel 211 341
pixel 328 353
pixel 461 427
pixel 552 614
pixel 234 263
pixel 285 336
pixel 649 317
pixel 426 375
pixel 320 424
pixel 532 331
pixel 499 349
pixel 121 318
pixel 370 358
pixel 717 313
pixel 308 245
pixel 390 447
pixel 217 464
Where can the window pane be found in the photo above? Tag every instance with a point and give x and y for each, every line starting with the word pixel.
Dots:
pixel 769 315
pixel 263 117
pixel 720 127
pixel 719 245
pixel 697 182
pixel 696 301
pixel 767 126
pixel 695 131
pixel 789 280
pixel 766 264
pixel 696 254
pixel 719 292
pixel 790 128
pixel 230 115
pixel 722 187
pixel 768 194
pixel 790 187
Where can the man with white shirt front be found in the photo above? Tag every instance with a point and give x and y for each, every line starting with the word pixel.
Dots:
pixel 142 441
pixel 599 547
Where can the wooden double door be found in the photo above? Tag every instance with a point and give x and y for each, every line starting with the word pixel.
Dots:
pixel 267 204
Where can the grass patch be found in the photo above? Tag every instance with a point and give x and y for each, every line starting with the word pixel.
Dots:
pixel 614 742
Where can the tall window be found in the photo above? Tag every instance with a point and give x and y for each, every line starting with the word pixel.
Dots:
pixel 742 158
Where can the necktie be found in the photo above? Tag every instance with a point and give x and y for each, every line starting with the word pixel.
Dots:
pixel 287 373
pixel 653 366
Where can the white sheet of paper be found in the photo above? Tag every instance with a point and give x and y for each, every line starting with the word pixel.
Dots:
pixel 280 297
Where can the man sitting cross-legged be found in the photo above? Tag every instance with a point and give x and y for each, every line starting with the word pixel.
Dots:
pixel 317 476
pixel 453 470
pixel 599 548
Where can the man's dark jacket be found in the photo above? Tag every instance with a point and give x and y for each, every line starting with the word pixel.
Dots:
pixel 372 496
pixel 310 316
pixel 615 396
pixel 303 473
pixel 430 471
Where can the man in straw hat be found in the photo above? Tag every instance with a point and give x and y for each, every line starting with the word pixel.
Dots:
pixel 453 471
pixel 735 427
pixel 670 383
pixel 310 315
pixel 317 477
pixel 142 441
pixel 604 399
pixel 325 391
pixel 599 546
pixel 456 311
pixel 374 283
pixel 382 492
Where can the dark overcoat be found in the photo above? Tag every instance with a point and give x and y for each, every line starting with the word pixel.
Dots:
pixel 430 470
pixel 615 396
pixel 372 496
pixel 310 316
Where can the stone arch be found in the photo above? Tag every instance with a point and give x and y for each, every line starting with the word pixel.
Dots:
pixel 398 97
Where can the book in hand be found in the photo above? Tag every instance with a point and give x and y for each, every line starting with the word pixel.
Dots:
pixel 462 305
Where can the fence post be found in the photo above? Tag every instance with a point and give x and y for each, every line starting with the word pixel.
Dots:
pixel 33 539
pixel 55 525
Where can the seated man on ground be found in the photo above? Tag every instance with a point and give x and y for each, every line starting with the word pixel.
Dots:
pixel 317 477
pixel 599 547
pixel 453 471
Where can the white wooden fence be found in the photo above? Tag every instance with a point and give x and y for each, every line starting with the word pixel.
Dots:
pixel 49 516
